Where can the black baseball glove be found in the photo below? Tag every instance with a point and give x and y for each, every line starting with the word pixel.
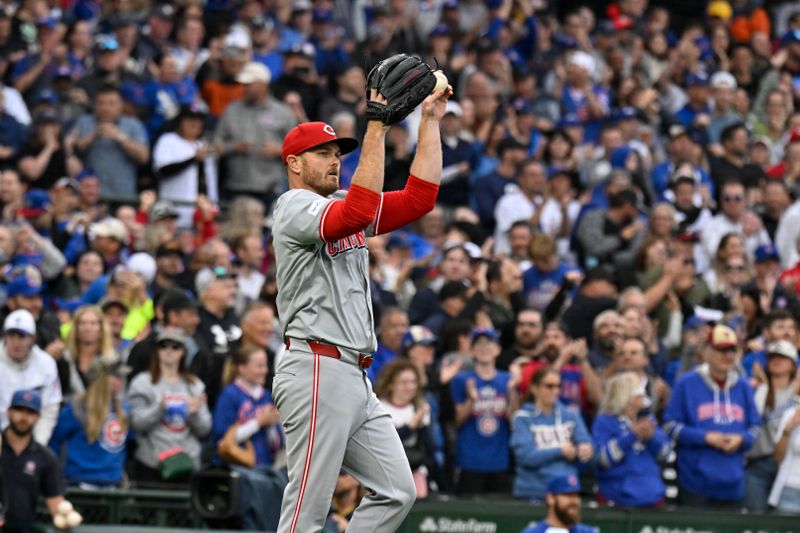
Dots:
pixel 405 81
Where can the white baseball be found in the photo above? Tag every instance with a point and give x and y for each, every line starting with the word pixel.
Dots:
pixel 60 521
pixel 74 519
pixel 441 81
pixel 65 507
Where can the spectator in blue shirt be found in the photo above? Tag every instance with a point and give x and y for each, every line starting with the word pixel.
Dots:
pixel 630 445
pixel 94 428
pixel 166 95
pixel 12 134
pixel 488 189
pixel 713 420
pixel 547 439
pixel 481 396
pixel 698 91
pixel 563 508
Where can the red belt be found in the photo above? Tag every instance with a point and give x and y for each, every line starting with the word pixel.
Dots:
pixel 328 350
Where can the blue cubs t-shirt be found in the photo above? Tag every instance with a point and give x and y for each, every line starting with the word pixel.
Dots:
pixel 541 287
pixel 483 440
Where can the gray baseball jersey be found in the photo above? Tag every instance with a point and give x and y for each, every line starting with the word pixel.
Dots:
pixel 323 288
pixel 330 414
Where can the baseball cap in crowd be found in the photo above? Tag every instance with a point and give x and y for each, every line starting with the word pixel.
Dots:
pixel 473 250
pixel 583 60
pixel 626 113
pixel 722 337
pixel 208 275
pixel 453 108
pixel 784 348
pixel 477 333
pixel 106 43
pixel 719 9
pixel 169 248
pixel 25 283
pixel 564 485
pixel 570 120
pixel 253 72
pixel 37 201
pixel 308 135
pixel 47 22
pixel 20 321
pixel 791 37
pixel 766 252
pixel 107 365
pixel 398 240
pixel 723 79
pixel 108 303
pixel 46 96
pixel 133 93
pixel 163 11
pixel 143 264
pixel 696 79
pixel 110 227
pixel 87 172
pixel 417 335
pixel 693 322
pixel 171 334
pixel 161 210
pixel 67 183
pixel 27 399
pixel 440 30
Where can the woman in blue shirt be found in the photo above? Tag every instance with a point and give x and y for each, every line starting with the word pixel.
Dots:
pixel 94 428
pixel 630 445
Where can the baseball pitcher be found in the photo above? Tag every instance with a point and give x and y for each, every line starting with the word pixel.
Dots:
pixel 332 419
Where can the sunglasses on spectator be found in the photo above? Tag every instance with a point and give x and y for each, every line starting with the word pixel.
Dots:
pixel 732 198
pixel 172 345
pixel 735 268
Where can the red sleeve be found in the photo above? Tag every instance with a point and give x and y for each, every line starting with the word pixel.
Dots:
pixel 399 208
pixel 342 218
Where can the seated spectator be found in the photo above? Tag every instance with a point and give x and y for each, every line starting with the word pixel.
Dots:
pixel 481 398
pixel 713 419
pixel 89 340
pixel 630 445
pixel 772 398
pixel 247 434
pixel 785 494
pixel 547 439
pixel 27 465
pixel 169 414
pixel 23 365
pixel 93 428
pixel 399 389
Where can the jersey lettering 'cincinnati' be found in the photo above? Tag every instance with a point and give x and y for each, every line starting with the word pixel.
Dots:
pixel 348 243
pixel 324 290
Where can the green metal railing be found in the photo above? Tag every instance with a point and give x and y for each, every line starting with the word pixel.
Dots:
pixel 172 509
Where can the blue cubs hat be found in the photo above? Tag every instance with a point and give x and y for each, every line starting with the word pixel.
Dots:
pixel 489 333
pixel 417 335
pixel 27 399
pixel 563 485
pixel 766 252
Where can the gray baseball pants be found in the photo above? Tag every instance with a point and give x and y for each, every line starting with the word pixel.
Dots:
pixel 333 421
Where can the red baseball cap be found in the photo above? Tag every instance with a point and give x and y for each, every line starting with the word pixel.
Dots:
pixel 309 135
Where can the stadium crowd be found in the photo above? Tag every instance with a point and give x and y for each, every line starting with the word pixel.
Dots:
pixel 609 283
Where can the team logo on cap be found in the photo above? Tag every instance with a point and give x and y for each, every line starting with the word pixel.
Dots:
pixel 327 128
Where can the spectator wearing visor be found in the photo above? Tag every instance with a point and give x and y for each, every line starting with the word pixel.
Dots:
pixel 23 365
